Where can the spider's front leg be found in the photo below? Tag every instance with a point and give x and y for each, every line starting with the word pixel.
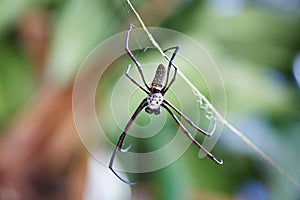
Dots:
pixel 190 121
pixel 220 162
pixel 118 147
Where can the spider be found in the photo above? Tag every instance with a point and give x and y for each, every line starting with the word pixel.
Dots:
pixel 154 101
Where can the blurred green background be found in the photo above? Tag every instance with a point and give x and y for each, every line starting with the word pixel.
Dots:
pixel 254 43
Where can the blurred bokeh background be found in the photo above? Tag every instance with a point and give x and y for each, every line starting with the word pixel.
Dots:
pixel 255 44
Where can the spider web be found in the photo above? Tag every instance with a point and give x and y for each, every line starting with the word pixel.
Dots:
pixel 211 112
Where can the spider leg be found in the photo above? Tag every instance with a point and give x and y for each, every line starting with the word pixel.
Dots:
pixel 190 121
pixel 134 81
pixel 167 86
pixel 121 140
pixel 137 64
pixel 127 148
pixel 191 137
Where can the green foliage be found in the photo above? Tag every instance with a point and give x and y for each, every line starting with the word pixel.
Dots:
pixel 16 80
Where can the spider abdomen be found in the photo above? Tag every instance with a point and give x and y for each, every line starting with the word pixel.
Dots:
pixel 159 76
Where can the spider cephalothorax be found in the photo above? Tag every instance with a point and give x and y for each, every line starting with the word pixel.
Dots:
pixel 155 100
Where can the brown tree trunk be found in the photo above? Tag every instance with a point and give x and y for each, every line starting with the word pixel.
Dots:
pixel 41 156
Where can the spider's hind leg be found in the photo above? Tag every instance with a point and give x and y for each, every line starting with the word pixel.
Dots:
pixel 136 62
